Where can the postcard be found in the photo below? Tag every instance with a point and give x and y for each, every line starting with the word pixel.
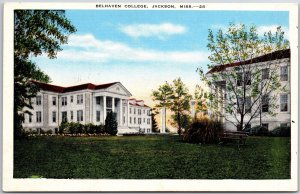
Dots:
pixel 150 97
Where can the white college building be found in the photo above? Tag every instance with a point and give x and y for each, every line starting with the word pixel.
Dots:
pixel 280 60
pixel 87 103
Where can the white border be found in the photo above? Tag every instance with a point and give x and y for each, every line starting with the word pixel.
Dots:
pixel 11 184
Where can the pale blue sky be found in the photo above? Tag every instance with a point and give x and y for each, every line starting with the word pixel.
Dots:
pixel 142 49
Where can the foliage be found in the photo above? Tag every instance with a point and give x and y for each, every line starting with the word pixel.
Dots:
pixel 62 127
pixel 76 128
pixel 281 132
pixel 257 131
pixel 247 90
pixel 111 124
pixel 203 131
pixel 49 131
pixel 175 97
pixel 155 157
pixel 35 32
pixel 154 126
pixel 200 98
pixel 185 121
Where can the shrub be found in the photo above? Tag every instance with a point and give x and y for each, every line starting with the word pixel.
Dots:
pixel 133 134
pixel 203 131
pixel 62 127
pixel 281 132
pixel 75 128
pixel 49 131
pixel 257 131
pixel 111 124
pixel 99 129
pixel 78 128
pixel 89 128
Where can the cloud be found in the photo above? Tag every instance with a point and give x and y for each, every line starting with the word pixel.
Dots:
pixel 273 28
pixel 87 48
pixel 161 31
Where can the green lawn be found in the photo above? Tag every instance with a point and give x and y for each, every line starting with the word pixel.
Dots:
pixel 150 157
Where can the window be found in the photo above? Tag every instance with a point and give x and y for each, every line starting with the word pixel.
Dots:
pixel 98 116
pixel 283 125
pixel 248 104
pixel 148 112
pixel 265 103
pixel 133 111
pixel 239 79
pixel 148 121
pixel 143 111
pixel 144 120
pixel 130 120
pixel 134 120
pixel 139 111
pixel 72 115
pixel 30 118
pixel 64 116
pixel 63 101
pixel 109 102
pixel 80 99
pixel 38 100
pixel 239 104
pixel 98 100
pixel 139 121
pixel 283 102
pixel 247 78
pixel 80 115
pixel 284 73
pixel 54 101
pixel 54 116
pixel 71 99
pixel 265 125
pixel 130 110
pixel 38 116
pixel 265 73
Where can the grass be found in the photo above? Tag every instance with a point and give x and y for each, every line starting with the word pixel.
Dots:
pixel 150 157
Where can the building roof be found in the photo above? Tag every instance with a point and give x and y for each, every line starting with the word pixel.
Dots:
pixel 139 105
pixel 60 89
pixel 281 54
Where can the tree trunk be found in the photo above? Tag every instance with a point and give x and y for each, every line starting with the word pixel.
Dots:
pixel 240 128
pixel 179 123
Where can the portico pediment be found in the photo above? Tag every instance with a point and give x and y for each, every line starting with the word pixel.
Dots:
pixel 118 88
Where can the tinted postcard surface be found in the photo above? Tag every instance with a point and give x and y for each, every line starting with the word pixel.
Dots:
pixel 150 97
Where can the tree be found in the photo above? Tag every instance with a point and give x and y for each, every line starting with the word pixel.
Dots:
pixel 200 97
pixel 185 120
pixel 162 96
pixel 180 102
pixel 111 124
pixel 244 90
pixel 153 120
pixel 35 32
pixel 175 97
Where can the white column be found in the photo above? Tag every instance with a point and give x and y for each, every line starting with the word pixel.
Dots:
pixel 113 104
pixel 121 113
pixel 163 120
pixel 104 109
pixel 127 116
